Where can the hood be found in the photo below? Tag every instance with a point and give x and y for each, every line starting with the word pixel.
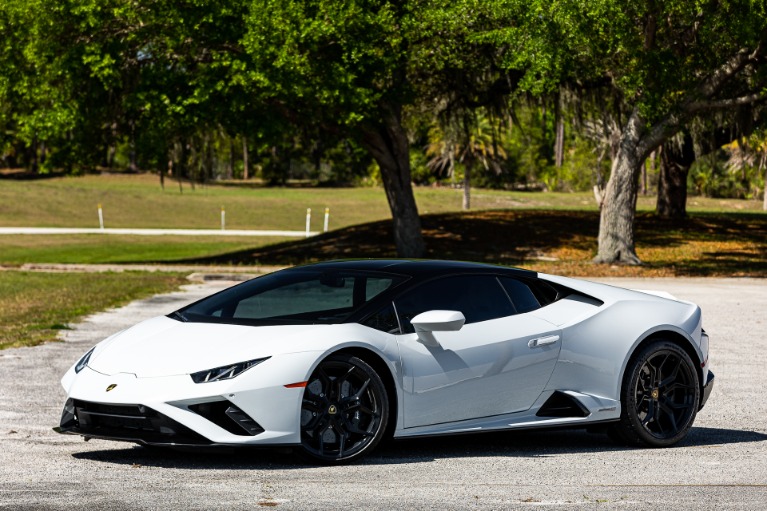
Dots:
pixel 166 347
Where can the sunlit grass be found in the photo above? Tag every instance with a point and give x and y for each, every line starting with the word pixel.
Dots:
pixel 34 307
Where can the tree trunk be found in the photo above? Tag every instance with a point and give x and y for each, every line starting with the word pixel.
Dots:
pixel 616 225
pixel 244 158
pixel 230 163
pixel 388 144
pixel 764 192
pixel 559 144
pixel 467 185
pixel 133 164
pixel 675 162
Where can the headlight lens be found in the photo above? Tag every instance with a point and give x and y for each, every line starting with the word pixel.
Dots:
pixel 84 361
pixel 225 372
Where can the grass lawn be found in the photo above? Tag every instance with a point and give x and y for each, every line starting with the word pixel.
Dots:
pixel 139 201
pixel 108 248
pixel 550 232
pixel 35 306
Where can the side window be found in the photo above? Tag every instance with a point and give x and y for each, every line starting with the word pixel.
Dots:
pixel 384 320
pixel 478 297
pixel 521 295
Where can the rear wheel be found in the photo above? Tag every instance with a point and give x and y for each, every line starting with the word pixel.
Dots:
pixel 659 397
pixel 344 411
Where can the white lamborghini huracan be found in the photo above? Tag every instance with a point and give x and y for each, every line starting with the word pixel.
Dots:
pixel 332 357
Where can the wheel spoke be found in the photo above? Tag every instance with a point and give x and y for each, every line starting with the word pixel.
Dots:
pixel 650 413
pixel 311 406
pixel 341 444
pixel 677 406
pixel 670 414
pixel 358 431
pixel 363 388
pixel 364 409
pixel 324 379
pixel 673 377
pixel 678 385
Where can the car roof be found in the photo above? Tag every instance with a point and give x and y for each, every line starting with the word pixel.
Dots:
pixel 417 267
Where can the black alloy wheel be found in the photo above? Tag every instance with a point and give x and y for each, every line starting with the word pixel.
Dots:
pixel 659 398
pixel 344 412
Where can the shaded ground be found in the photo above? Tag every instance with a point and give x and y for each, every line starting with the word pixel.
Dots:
pixel 552 241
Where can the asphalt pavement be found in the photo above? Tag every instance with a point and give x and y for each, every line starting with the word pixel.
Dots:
pixel 722 464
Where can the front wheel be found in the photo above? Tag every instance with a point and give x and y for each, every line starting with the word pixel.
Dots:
pixel 344 412
pixel 659 396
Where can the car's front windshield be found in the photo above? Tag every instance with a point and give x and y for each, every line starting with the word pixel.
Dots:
pixel 291 297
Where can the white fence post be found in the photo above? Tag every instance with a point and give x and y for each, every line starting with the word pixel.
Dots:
pixel 223 218
pixel 308 220
pixel 327 217
pixel 101 218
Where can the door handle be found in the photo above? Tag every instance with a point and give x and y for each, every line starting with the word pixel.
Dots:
pixel 542 341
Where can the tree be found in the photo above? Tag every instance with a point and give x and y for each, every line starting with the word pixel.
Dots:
pixel 365 68
pixel 651 68
pixel 467 141
pixel 666 63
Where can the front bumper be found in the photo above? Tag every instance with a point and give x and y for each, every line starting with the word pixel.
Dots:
pixel 707 388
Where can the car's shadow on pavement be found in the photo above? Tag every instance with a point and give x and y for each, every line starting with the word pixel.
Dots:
pixel 504 444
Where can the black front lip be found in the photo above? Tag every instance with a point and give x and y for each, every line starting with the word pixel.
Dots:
pixel 707 388
pixel 128 423
pixel 88 436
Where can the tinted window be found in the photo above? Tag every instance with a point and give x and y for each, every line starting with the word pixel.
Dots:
pixel 521 295
pixel 291 297
pixel 478 297
pixel 298 298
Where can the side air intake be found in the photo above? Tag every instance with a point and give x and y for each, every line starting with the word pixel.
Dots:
pixel 562 405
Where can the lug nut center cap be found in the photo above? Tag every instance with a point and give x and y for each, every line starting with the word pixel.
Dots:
pixel 332 410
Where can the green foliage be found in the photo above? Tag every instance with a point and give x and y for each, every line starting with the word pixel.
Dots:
pixel 105 84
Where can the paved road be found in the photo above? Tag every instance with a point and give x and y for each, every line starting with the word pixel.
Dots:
pixel 721 465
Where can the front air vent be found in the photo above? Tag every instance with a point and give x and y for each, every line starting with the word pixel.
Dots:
pixel 135 423
pixel 562 405
pixel 226 415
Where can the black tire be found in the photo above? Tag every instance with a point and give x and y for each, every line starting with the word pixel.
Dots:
pixel 659 397
pixel 344 412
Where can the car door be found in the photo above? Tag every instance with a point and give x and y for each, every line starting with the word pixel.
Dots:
pixel 488 367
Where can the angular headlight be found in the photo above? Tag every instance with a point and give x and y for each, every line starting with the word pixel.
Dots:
pixel 225 372
pixel 84 361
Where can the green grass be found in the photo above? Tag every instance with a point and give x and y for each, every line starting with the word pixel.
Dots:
pixel 139 201
pixel 35 306
pixel 106 248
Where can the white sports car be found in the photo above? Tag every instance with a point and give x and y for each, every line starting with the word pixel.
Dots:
pixel 333 357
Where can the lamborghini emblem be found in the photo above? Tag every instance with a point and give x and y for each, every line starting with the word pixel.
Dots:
pixel 112 386
pixel 332 410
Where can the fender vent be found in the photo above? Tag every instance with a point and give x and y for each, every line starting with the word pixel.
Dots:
pixel 226 415
pixel 562 405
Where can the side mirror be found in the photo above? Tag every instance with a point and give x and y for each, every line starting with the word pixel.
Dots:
pixel 438 321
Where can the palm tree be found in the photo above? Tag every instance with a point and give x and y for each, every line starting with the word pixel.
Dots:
pixel 472 141
pixel 750 152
